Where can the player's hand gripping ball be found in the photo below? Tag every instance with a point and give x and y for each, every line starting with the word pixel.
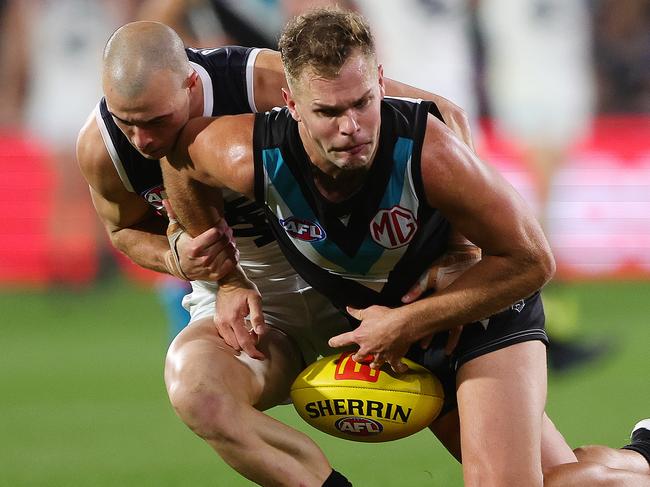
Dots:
pixel 352 401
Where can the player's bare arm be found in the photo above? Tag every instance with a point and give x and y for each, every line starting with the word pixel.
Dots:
pixel 499 222
pixel 210 154
pixel 136 229
pixel 454 116
pixel 516 258
pixel 133 228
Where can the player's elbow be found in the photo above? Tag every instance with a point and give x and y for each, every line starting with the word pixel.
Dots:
pixel 115 235
pixel 541 264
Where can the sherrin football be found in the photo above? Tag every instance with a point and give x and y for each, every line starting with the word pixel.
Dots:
pixel 352 401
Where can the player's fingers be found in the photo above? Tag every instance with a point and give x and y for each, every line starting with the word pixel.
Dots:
pixel 223 265
pixel 174 230
pixel 454 338
pixel 398 366
pixel 354 312
pixel 256 315
pixel 362 358
pixel 342 340
pixel 220 240
pixel 204 242
pixel 248 341
pixel 422 284
pixel 377 362
pixel 169 210
pixel 227 334
pixel 426 341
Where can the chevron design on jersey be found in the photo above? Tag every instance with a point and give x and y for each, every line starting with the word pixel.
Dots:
pixel 372 262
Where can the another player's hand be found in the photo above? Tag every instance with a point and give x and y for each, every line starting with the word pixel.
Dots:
pixel 381 337
pixel 238 317
pixel 209 256
pixel 441 274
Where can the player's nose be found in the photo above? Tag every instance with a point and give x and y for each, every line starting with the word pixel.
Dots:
pixel 348 124
pixel 142 138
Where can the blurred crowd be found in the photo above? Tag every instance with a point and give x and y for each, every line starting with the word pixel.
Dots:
pixel 540 69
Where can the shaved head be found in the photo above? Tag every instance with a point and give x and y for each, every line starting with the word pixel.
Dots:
pixel 138 49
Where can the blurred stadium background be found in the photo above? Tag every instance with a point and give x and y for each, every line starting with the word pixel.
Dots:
pixel 84 333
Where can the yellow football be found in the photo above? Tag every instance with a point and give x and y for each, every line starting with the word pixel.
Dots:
pixel 352 401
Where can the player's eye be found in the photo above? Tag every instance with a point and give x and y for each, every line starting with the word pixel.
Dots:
pixel 325 112
pixel 362 103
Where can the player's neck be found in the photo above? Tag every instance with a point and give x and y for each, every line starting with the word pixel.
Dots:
pixel 339 187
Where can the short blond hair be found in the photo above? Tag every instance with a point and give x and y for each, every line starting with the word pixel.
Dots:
pixel 323 40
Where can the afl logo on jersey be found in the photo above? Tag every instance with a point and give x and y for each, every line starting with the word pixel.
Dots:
pixel 303 229
pixel 155 196
pixel 394 227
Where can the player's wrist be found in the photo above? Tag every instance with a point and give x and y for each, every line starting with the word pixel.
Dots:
pixel 236 279
pixel 173 265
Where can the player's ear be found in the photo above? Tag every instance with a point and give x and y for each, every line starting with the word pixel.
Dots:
pixel 191 80
pixel 382 84
pixel 290 103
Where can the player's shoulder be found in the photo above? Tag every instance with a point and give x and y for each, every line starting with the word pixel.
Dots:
pixel 221 131
pixel 219 150
pixel 94 160
pixel 203 138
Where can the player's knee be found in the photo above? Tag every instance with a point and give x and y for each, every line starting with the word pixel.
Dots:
pixel 207 412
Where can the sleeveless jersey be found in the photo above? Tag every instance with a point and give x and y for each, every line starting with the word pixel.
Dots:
pixel 227 77
pixel 371 248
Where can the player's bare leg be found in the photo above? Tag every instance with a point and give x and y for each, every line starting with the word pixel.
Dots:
pixel 587 474
pixel 554 447
pixel 614 458
pixel 220 397
pixel 634 457
pixel 598 466
pixel 501 397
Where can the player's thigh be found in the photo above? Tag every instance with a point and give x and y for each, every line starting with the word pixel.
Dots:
pixel 447 430
pixel 555 449
pixel 501 398
pixel 199 360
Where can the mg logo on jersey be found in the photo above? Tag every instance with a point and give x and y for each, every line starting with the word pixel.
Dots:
pixel 393 228
pixel 155 196
pixel 348 369
pixel 303 229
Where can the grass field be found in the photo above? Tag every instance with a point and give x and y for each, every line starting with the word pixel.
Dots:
pixel 83 401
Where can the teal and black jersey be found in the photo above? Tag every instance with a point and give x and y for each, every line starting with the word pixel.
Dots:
pixel 371 248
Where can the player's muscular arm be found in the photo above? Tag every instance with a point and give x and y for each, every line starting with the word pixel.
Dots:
pixel 210 154
pixel 454 116
pixel 133 228
pixel 482 205
pixel 137 230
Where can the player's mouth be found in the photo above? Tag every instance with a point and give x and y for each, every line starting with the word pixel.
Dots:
pixel 153 154
pixel 354 149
